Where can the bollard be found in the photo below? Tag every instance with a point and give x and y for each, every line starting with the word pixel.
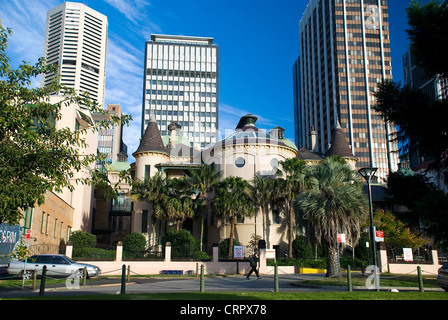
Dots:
pixel 202 279
pixel 129 273
pixel 123 280
pixel 84 276
pixel 42 281
pixel 349 279
pixel 276 278
pixel 420 279
pixel 34 279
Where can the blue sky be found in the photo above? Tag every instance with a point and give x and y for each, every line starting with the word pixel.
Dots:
pixel 258 44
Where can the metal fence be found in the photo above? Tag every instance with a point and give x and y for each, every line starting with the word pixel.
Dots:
pixel 46 248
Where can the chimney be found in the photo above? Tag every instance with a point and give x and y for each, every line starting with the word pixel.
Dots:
pixel 313 135
pixel 173 133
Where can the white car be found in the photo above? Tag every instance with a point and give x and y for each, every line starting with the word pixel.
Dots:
pixel 442 277
pixel 58 265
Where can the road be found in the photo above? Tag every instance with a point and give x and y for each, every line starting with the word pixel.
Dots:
pixel 286 283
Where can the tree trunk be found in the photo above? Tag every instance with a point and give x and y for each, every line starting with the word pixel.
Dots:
pixel 290 229
pixel 263 212
pixel 232 232
pixel 203 213
pixel 332 262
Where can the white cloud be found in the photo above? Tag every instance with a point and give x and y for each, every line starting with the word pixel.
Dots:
pixel 133 10
pixel 27 20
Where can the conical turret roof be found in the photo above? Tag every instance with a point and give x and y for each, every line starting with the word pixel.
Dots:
pixel 152 139
pixel 339 145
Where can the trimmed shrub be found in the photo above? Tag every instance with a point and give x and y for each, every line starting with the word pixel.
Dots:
pixel 82 239
pixel 134 242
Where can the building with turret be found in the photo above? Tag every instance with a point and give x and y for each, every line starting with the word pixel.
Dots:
pixel 247 152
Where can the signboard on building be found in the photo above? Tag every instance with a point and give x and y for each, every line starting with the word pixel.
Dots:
pixel 9 237
pixel 407 254
pixel 238 252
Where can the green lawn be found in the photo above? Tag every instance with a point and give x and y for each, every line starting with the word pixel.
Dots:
pixel 386 280
pixel 358 295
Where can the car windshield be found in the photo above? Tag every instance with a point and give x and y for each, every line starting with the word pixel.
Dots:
pixel 69 259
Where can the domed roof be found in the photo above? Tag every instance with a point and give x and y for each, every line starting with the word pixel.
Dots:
pixel 247 133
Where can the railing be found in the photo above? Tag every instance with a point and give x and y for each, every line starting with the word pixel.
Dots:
pixel 44 248
pixel 421 255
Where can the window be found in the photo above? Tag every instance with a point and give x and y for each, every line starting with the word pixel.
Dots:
pixel 240 162
pixel 276 216
pixel 144 221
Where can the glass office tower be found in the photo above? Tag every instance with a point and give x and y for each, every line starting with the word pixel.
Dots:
pixel 181 86
pixel 76 41
pixel 345 52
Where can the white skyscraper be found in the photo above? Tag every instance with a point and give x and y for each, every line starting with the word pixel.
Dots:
pixel 76 41
pixel 181 86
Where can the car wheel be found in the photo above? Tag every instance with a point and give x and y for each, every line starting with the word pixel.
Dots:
pixel 81 274
pixel 28 274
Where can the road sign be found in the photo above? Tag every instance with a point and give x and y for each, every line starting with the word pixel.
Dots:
pixel 28 233
pixel 341 237
pixel 379 236
pixel 407 254
pixel 238 252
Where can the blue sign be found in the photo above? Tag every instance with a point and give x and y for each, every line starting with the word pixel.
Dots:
pixel 9 237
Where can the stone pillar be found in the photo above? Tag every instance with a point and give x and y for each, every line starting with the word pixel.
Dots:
pixel 215 252
pixel 69 249
pixel 435 257
pixel 168 252
pixel 119 252
pixel 383 264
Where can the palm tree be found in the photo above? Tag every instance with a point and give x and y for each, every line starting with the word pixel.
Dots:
pixel 177 203
pixel 233 202
pixel 203 181
pixel 334 204
pixel 151 190
pixel 261 193
pixel 290 182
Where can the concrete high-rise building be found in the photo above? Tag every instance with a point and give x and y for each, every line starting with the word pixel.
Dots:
pixel 76 41
pixel 110 140
pixel 181 86
pixel 345 52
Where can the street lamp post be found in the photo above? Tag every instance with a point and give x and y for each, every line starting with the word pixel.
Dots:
pixel 367 174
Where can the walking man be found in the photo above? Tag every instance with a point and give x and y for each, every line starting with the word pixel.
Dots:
pixel 253 264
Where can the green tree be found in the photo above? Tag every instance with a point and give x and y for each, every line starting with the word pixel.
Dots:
pixel 233 202
pixel 427 30
pixel 262 195
pixel 203 182
pixel 36 155
pixel 177 202
pixel 428 206
pixel 397 234
pixel 291 181
pixel 334 204
pixel 151 190
pixel 420 120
